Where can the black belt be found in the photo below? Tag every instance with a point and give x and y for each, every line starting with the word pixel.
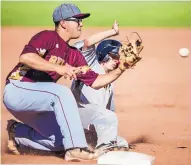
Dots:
pixel 39 76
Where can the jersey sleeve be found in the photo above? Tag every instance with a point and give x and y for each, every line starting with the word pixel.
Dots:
pixel 39 44
pixel 79 45
pixel 89 53
pixel 90 76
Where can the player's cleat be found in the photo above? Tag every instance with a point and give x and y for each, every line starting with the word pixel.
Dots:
pixel 80 154
pixel 12 146
pixel 112 146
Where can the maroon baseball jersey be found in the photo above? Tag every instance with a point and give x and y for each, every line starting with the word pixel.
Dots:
pixel 50 46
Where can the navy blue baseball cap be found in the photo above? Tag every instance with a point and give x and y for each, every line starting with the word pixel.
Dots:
pixel 107 47
pixel 65 11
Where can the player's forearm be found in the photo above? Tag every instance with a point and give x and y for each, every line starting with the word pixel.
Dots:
pixel 105 79
pixel 34 61
pixel 94 39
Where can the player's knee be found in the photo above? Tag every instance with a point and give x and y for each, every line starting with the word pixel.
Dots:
pixel 114 118
pixel 111 117
pixel 12 104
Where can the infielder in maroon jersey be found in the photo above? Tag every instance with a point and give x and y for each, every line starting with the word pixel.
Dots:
pixel 48 111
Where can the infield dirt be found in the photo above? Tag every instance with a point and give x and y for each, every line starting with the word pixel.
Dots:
pixel 152 100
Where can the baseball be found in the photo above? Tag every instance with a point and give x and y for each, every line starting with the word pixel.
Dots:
pixel 184 52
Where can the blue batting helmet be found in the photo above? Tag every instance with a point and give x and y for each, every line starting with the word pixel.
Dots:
pixel 107 46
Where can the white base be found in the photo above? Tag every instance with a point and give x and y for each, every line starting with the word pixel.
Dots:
pixel 126 158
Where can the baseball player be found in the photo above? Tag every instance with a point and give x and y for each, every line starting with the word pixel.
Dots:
pixel 105 64
pixel 99 60
pixel 48 111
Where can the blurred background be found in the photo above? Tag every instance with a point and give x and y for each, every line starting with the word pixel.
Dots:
pixel 152 14
pixel 152 100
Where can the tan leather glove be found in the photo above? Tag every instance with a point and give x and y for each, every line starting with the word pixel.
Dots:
pixel 129 53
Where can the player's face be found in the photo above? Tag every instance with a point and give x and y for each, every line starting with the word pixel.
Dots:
pixel 74 26
pixel 111 64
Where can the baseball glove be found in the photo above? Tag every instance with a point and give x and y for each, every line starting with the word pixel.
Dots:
pixel 129 52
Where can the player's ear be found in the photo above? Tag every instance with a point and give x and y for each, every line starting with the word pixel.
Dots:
pixel 63 24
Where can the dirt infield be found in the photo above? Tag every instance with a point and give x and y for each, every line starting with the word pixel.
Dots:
pixel 152 100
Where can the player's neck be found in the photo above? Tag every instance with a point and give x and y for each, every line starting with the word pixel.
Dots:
pixel 64 35
pixel 105 69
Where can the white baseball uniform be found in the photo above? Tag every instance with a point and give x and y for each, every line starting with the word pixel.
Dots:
pixel 89 97
pixel 102 97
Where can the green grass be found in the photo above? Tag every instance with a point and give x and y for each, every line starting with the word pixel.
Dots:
pixel 162 14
